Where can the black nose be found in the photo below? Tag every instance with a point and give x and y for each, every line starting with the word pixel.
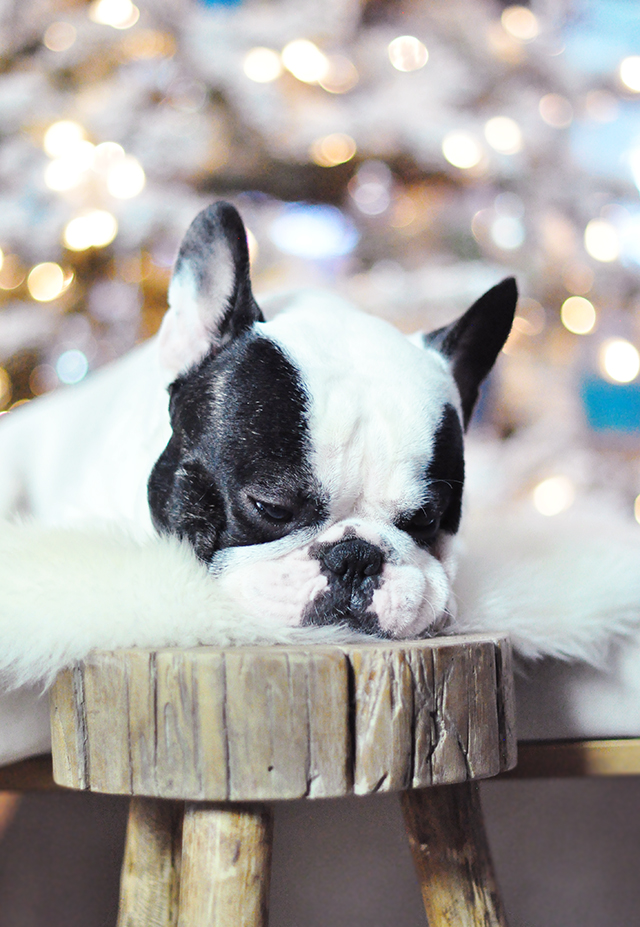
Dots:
pixel 353 560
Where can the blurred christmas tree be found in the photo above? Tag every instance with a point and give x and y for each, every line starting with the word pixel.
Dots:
pixel 409 154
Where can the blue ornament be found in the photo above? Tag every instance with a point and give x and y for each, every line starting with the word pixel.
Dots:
pixel 611 406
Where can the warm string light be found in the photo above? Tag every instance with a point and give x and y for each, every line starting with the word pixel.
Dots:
pixel 554 495
pixel 332 150
pixel 520 23
pixel 94 229
pixel 578 315
pixel 619 360
pixel 601 240
pixel 462 149
pixel 629 72
pixel 121 14
pixel 305 61
pixel 48 281
pixel 503 134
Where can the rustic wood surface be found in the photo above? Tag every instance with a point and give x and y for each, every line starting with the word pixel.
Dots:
pixel 150 878
pixel 264 723
pixel 226 865
pixel 451 855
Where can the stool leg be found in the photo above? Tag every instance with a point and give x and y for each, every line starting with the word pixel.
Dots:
pixel 226 865
pixel 451 854
pixel 149 882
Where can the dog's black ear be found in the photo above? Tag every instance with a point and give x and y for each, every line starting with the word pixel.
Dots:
pixel 210 298
pixel 473 343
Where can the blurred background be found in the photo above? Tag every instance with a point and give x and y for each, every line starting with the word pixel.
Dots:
pixel 410 155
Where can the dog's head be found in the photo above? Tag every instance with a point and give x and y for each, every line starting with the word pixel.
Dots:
pixel 317 458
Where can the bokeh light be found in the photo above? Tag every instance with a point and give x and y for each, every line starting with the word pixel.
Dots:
pixel 72 366
pixel 59 36
pixel 601 240
pixel 503 134
pixel 630 73
pixel 305 61
pixel 462 149
pixel 61 137
pixel 554 495
pixel 619 360
pixel 121 14
pixel 12 272
pixel 316 232
pixel 555 110
pixel 262 65
pixel 341 75
pixel 578 315
pixel 332 150
pixel 94 229
pixel 125 178
pixel 520 23
pixel 407 53
pixel 46 282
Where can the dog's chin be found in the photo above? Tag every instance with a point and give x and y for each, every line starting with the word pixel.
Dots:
pixel 407 600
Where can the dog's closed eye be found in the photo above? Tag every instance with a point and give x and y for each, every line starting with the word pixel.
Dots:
pixel 423 525
pixel 275 513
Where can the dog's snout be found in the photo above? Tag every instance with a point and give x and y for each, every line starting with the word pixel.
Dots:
pixel 353 560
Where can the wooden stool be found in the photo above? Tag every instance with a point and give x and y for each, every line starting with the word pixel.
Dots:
pixel 221 732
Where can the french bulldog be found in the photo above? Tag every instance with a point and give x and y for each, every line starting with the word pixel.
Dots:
pixel 313 461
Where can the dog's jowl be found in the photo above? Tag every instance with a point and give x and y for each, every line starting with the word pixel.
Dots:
pixel 313 461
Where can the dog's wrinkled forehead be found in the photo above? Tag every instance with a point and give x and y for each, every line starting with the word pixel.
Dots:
pixel 374 402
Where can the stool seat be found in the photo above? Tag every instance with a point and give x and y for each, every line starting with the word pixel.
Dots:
pixel 265 723
pixel 219 732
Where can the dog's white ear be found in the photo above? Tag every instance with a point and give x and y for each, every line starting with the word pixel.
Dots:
pixel 473 343
pixel 210 298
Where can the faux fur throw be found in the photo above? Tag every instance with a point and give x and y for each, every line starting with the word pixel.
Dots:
pixel 565 587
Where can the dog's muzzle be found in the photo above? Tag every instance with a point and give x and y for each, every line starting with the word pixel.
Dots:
pixel 353 568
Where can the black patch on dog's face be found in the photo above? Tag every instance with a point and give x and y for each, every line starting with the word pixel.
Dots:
pixel 236 470
pixel 444 481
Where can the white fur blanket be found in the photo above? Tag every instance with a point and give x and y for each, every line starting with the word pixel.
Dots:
pixel 567 587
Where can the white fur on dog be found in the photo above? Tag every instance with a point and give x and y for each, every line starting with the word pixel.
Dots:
pixel 65 592
pixel 564 587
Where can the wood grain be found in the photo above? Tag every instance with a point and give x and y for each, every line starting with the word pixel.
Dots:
pixel 265 723
pixel 451 856
pixel 226 865
pixel 150 878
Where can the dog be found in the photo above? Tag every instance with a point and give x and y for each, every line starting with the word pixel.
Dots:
pixel 314 462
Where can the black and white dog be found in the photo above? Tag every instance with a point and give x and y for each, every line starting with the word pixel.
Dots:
pixel 314 462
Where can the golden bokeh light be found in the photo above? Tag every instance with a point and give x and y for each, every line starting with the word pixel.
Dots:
pixel 333 149
pixel 94 229
pixel 520 23
pixel 46 282
pixel 578 315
